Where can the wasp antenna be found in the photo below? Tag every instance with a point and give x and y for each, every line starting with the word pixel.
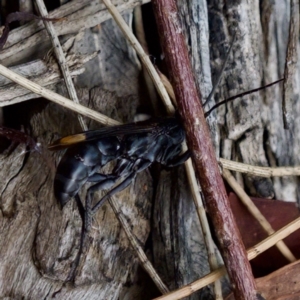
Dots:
pixel 217 83
pixel 241 95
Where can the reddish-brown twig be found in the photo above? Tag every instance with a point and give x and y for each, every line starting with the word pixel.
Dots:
pixel 198 137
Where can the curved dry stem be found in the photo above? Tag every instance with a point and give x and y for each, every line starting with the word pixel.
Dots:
pixel 35 88
pixel 140 252
pixel 212 257
pixel 252 253
pixel 142 54
pixel 259 171
pixel 61 59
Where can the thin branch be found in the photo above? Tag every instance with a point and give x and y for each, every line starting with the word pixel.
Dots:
pixel 290 69
pixel 141 53
pixel 35 88
pixel 61 59
pixel 251 253
pixel 140 252
pixel 259 171
pixel 203 155
pixel 245 199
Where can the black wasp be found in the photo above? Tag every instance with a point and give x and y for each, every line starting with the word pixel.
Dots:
pixel 134 147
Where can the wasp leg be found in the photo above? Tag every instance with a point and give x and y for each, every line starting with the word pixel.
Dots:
pixel 180 159
pixel 86 216
pixel 106 184
pixel 72 273
pixel 98 177
pixel 120 187
pixel 127 169
pixel 80 206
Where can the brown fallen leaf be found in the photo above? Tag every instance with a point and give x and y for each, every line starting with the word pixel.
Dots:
pixel 278 213
pixel 283 284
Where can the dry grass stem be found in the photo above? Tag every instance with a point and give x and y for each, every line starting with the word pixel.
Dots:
pixel 61 59
pixel 273 239
pixel 259 171
pixel 196 197
pixel 146 62
pixel 167 85
pixel 193 287
pixel 212 258
pixel 25 6
pixel 282 247
pixel 252 253
pixel 141 53
pixel 45 75
pixel 35 88
pixel 240 167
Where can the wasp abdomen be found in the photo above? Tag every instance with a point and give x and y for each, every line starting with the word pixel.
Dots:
pixel 78 164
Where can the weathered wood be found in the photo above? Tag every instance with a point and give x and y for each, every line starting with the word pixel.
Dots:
pixel 251 128
pixel 42 73
pixel 195 25
pixel 26 41
pixel 180 254
pixel 290 69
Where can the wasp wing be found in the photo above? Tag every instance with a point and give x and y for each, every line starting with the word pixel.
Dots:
pixel 147 126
